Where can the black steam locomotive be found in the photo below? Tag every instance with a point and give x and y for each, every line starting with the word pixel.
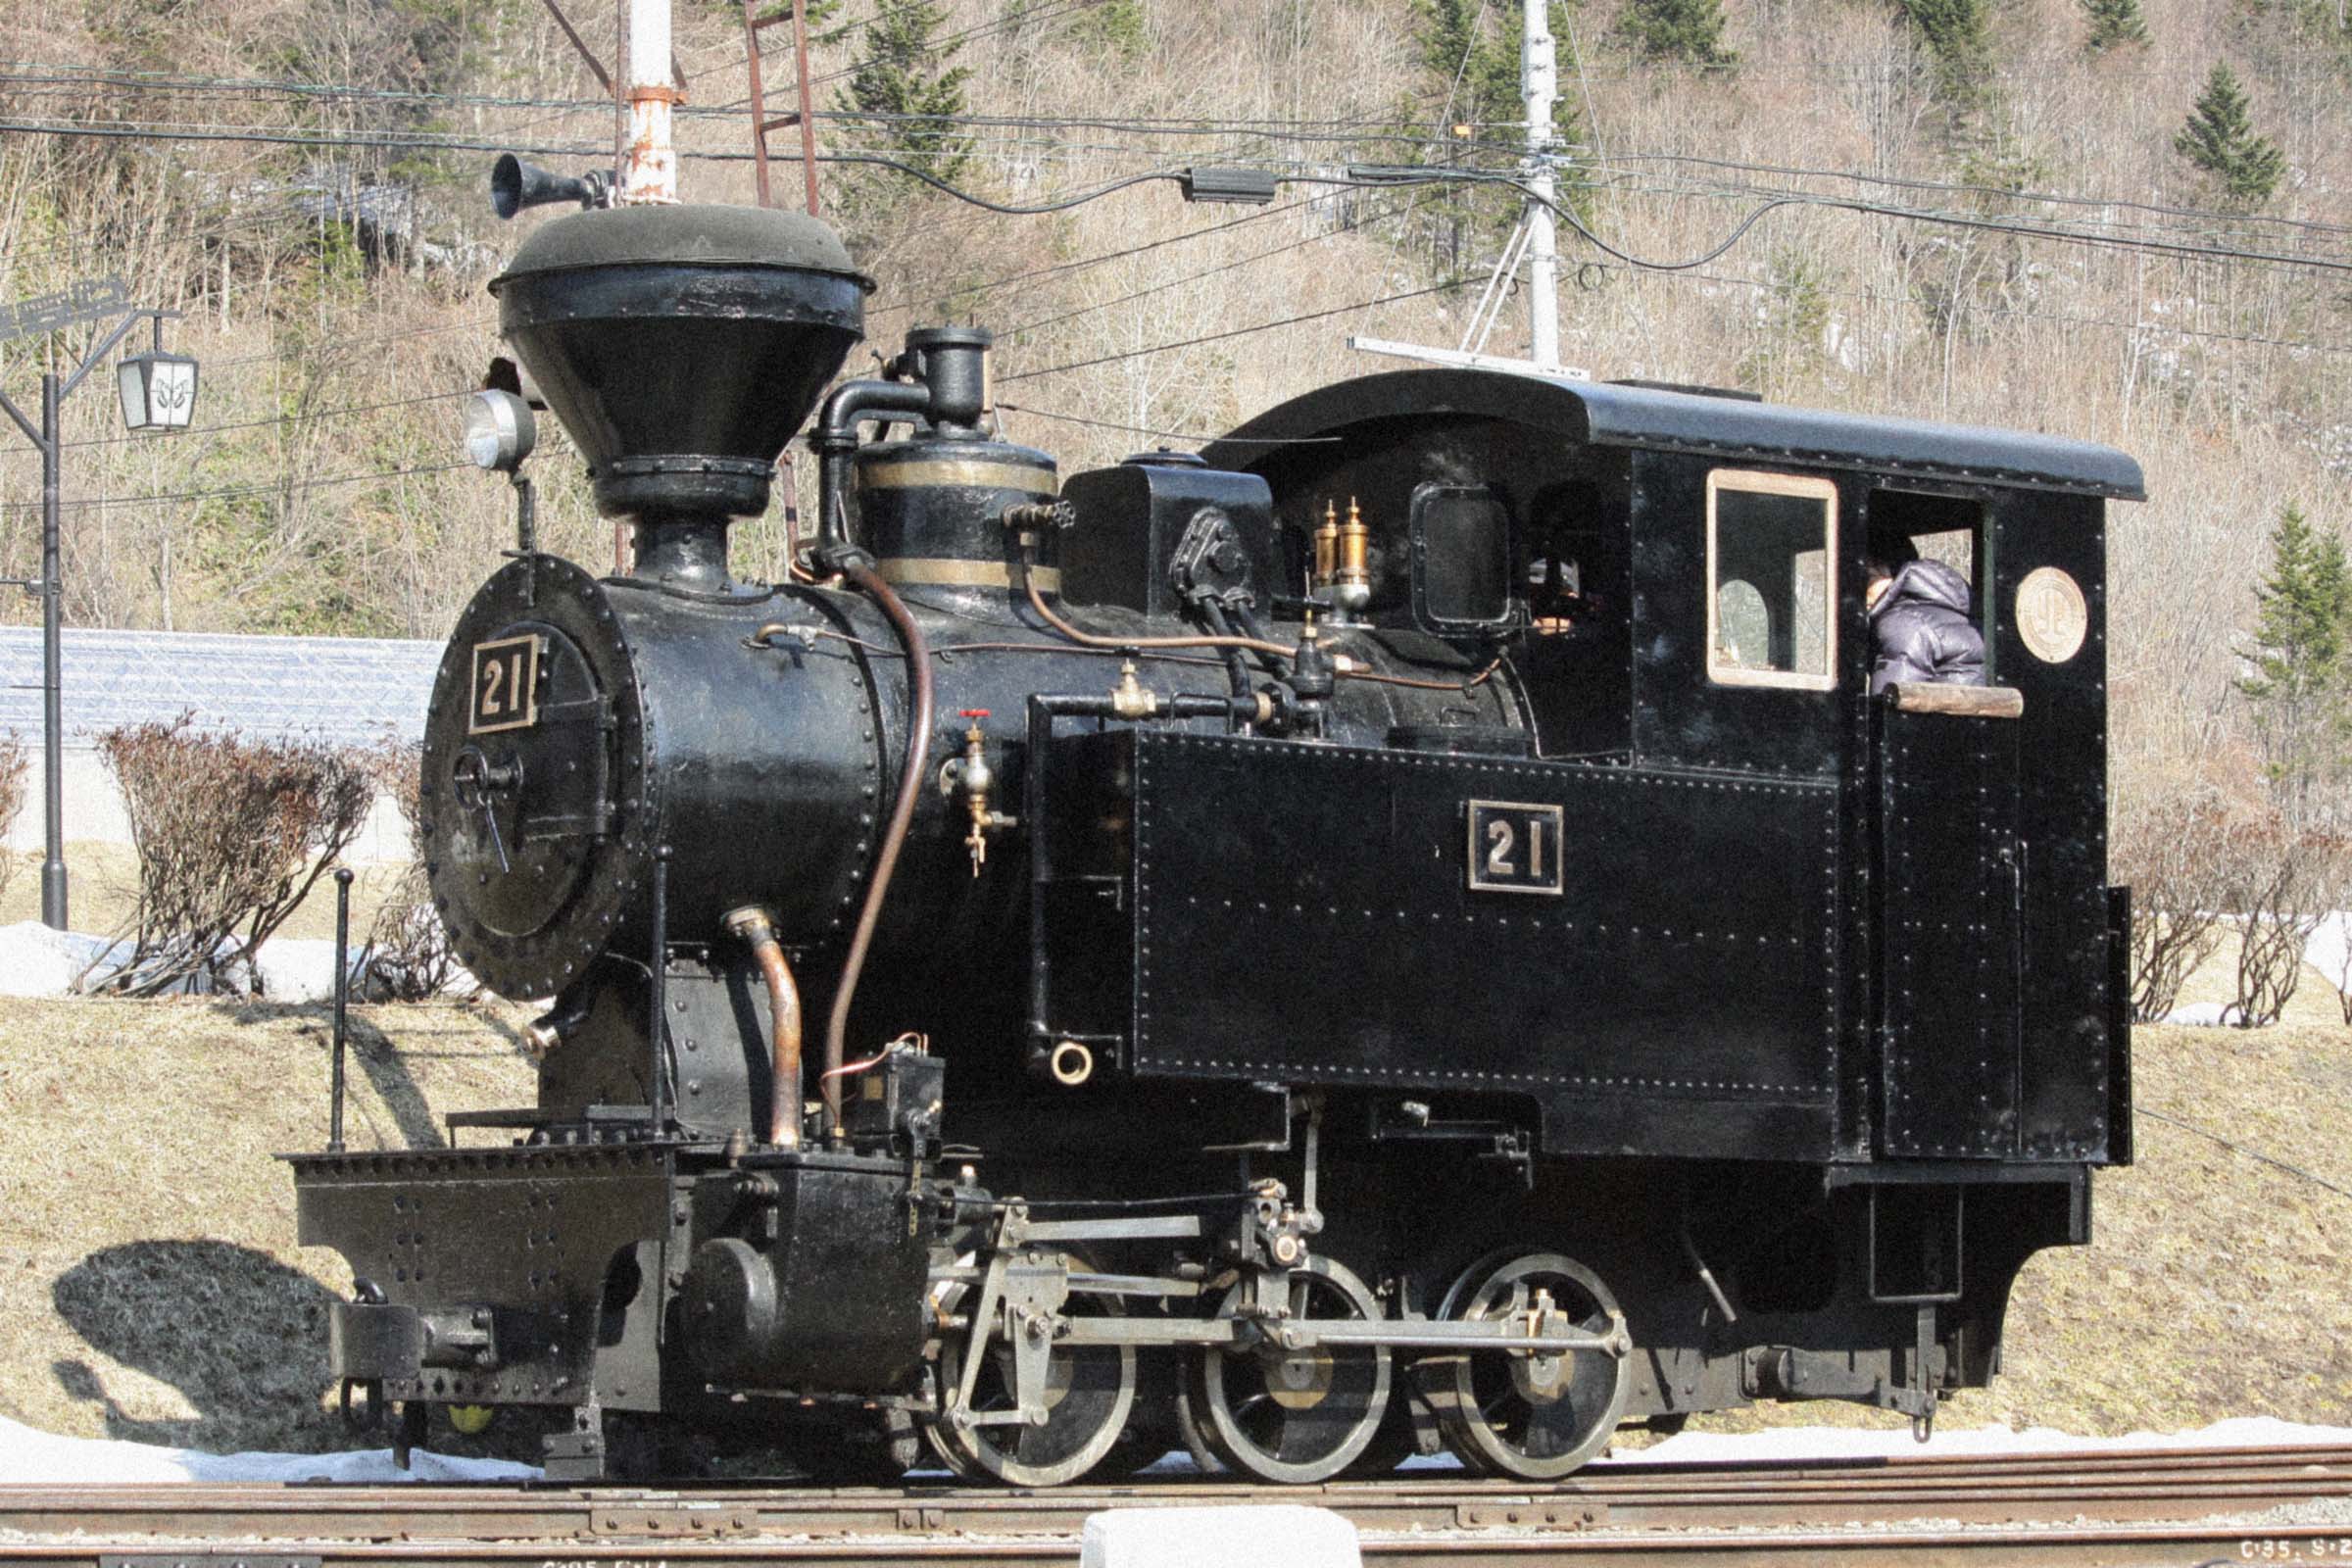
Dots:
pixel 1436 945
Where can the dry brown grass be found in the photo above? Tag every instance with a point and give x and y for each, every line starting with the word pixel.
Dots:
pixel 150 1285
pixel 103 880
pixel 2215 1285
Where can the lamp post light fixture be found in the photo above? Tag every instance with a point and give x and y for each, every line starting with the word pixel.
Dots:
pixel 158 389
pixel 159 393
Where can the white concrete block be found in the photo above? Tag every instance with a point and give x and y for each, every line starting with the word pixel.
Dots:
pixel 1287 1533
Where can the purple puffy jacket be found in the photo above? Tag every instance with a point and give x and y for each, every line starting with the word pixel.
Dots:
pixel 1924 629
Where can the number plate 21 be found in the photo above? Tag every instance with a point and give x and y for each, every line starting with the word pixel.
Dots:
pixel 1514 848
pixel 506 685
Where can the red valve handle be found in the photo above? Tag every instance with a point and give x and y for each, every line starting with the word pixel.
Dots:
pixel 972 713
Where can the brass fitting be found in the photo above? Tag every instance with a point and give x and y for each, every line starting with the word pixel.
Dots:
pixel 1327 548
pixel 1353 582
pixel 971 774
pixel 1073 1063
pixel 1130 697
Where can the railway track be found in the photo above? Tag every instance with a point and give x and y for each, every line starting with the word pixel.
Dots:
pixel 2169 1507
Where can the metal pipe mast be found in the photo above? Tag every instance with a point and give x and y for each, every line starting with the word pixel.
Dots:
pixel 1537 81
pixel 649 166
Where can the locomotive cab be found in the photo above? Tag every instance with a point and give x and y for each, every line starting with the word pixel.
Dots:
pixel 1876 956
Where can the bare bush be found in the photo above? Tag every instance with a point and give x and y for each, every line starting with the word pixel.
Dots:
pixel 231 835
pixel 2173 851
pixel 2280 886
pixel 15 769
pixel 408 957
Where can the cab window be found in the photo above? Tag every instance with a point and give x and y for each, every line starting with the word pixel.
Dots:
pixel 1771 599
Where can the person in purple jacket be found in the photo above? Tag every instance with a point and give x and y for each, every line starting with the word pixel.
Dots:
pixel 1924 620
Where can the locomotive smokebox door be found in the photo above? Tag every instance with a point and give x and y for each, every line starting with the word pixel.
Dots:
pixel 1950 884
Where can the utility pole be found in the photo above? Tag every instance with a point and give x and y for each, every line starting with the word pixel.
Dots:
pixel 1538 80
pixel 1535 240
pixel 649 165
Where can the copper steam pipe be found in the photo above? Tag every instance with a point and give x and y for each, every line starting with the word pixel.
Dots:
pixel 784 1006
pixel 1088 639
pixel 863 578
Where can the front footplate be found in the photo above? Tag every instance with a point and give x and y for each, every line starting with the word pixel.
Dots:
pixel 526 1275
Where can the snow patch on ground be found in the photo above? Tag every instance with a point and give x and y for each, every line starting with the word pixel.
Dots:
pixel 29 1456
pixel 303 970
pixel 2330 950
pixel 36 961
pixel 2204 1014
pixel 1841 1442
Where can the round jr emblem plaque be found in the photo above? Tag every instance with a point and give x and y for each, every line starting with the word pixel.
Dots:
pixel 2051 616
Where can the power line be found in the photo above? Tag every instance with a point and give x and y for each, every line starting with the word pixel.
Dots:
pixel 286 487
pixel 1188 277
pixel 348 411
pixel 2050 318
pixel 1171 435
pixel 2050 198
pixel 1237 332
pixel 1084 262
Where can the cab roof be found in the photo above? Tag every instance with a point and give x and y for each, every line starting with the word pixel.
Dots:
pixel 1613 413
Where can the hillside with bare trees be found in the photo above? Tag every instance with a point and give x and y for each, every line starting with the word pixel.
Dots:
pixel 2044 213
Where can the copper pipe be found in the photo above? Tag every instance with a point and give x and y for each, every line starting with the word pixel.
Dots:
pixel 1253 644
pixel 1088 639
pixel 1472 684
pixel 893 837
pixel 784 1007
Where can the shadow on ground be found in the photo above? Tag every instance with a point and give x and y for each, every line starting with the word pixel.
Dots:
pixel 239 1335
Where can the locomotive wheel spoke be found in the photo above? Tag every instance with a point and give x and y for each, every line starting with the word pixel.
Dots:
pixel 1300 1417
pixel 1089 1390
pixel 1509 1413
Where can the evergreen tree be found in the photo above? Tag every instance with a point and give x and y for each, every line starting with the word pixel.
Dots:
pixel 1474 65
pixel 1959 34
pixel 2114 24
pixel 1680 31
pixel 1469 54
pixel 2219 139
pixel 2299 675
pixel 902 74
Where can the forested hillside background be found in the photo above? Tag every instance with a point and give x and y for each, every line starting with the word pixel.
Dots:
pixel 1995 211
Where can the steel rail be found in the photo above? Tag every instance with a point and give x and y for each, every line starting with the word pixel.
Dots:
pixel 572 1523
pixel 2073 1547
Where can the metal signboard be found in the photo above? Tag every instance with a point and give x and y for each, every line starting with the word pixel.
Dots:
pixel 86 301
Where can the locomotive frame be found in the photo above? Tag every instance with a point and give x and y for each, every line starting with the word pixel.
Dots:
pixel 1535 987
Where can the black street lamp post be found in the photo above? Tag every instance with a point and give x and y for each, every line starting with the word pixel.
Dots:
pixel 158 392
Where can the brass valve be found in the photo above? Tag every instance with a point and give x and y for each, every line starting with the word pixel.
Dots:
pixel 971 774
pixel 1130 697
pixel 1351 583
pixel 1327 548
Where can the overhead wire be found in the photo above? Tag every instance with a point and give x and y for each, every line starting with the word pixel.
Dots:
pixel 1357 177
pixel 1165 435
pixel 234 491
pixel 1234 332
pixel 1250 260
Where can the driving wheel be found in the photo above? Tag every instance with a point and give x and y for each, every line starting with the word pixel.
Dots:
pixel 1090 1388
pixel 1293 1416
pixel 1516 1413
